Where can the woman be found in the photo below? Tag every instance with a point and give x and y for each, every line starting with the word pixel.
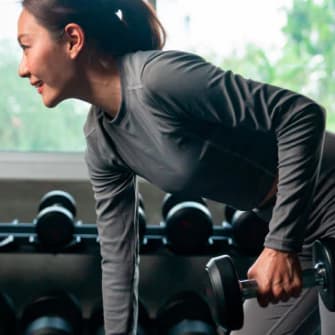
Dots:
pixel 182 124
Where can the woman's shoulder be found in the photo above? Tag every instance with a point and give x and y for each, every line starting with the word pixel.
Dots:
pixel 159 68
pixel 158 60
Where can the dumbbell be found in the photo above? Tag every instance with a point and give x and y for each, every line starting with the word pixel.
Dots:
pixel 96 326
pixel 187 221
pixel 7 315
pixel 247 230
pixel 227 292
pixel 185 313
pixel 54 223
pixel 54 313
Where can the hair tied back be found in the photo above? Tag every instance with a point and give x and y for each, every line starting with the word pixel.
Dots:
pixel 110 5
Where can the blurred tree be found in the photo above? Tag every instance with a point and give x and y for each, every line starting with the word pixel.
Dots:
pixel 310 32
pixel 306 61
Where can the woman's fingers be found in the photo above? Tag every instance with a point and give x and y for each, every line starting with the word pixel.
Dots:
pixel 276 293
pixel 278 276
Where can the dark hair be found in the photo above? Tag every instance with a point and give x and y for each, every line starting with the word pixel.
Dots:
pixel 135 27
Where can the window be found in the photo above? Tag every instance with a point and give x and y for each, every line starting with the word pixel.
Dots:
pixel 289 43
pixel 284 42
pixel 25 124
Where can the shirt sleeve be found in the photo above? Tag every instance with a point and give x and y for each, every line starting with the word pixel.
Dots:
pixel 115 196
pixel 198 90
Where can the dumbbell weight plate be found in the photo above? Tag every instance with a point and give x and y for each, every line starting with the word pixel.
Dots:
pixel 59 197
pixel 170 200
pixel 185 313
pixel 188 222
pixel 323 252
pixel 55 219
pixel 49 326
pixel 7 315
pixel 192 327
pixel 249 232
pixel 58 308
pixel 188 227
pixel 225 293
pixel 54 227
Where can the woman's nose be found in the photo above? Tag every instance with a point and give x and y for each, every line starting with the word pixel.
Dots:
pixel 23 69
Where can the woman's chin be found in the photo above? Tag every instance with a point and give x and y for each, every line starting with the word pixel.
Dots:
pixel 51 103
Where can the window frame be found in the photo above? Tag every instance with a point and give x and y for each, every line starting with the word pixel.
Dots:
pixel 43 166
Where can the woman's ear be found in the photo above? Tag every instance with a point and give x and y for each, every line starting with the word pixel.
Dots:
pixel 74 38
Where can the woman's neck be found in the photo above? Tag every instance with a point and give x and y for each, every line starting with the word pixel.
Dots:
pixel 100 85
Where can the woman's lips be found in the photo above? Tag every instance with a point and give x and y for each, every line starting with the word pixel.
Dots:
pixel 40 89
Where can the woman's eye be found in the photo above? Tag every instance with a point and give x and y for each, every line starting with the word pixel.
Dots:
pixel 24 47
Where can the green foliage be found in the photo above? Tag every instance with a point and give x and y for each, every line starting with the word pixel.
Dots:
pixel 306 62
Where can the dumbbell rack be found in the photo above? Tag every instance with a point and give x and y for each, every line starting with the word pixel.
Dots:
pixel 75 265
pixel 21 237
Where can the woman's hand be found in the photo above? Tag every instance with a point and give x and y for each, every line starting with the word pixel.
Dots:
pixel 278 275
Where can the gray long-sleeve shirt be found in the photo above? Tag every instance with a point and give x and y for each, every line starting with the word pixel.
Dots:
pixel 187 125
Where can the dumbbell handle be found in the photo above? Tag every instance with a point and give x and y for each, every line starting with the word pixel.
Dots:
pixel 310 278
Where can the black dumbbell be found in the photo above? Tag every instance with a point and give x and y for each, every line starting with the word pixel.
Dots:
pixel 247 230
pixel 7 315
pixel 185 313
pixel 96 326
pixel 54 313
pixel 188 222
pixel 227 292
pixel 55 219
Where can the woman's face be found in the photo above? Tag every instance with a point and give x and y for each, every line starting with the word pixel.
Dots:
pixel 45 62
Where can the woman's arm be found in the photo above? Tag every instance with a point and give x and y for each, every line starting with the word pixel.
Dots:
pixel 115 195
pixel 199 91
